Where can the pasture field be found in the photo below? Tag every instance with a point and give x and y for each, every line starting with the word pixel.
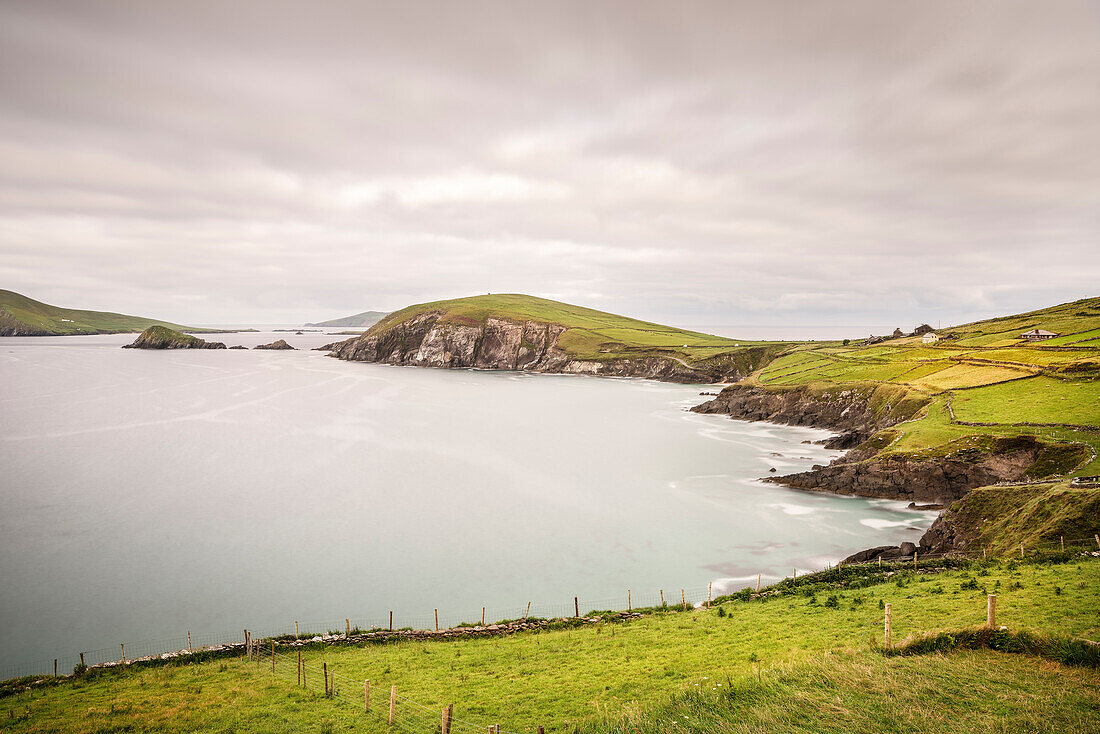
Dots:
pixel 1038 400
pixel 19 311
pixel 785 656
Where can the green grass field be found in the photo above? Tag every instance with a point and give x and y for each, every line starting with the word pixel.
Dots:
pixel 979 373
pixel 36 318
pixel 792 661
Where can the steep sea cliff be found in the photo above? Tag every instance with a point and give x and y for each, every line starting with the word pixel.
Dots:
pixel 504 344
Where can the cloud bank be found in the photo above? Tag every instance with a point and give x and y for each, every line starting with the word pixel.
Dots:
pixel 837 166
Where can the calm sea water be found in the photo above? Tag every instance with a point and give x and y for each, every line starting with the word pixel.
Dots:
pixel 149 493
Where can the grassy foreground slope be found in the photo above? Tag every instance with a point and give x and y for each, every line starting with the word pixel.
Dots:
pixel 590 334
pixel 20 315
pixel 806 660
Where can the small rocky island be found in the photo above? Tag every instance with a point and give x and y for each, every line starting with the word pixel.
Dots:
pixel 161 337
pixel 280 344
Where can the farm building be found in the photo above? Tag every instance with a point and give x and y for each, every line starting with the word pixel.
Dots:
pixel 1037 335
pixel 930 337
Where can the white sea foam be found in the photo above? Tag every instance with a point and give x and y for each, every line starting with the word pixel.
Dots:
pixel 880 524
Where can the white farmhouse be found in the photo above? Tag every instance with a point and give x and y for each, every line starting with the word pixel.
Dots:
pixel 930 337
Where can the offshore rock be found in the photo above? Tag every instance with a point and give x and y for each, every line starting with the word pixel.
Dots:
pixel 161 337
pixel 280 344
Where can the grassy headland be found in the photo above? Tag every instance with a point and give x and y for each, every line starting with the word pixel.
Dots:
pixel 22 316
pixel 572 334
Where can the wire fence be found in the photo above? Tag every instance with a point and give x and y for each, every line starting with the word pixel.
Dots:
pixel 276 647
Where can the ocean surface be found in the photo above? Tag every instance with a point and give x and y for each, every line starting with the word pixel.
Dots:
pixel 146 494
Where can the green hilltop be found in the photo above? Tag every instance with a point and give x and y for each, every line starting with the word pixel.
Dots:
pixel 590 334
pixel 23 316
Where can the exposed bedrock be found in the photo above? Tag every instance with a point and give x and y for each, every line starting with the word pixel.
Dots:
pixel 938 481
pixel 846 411
pixel 500 344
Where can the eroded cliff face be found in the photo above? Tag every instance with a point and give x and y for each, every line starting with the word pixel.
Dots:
pixel 938 481
pixel 499 344
pixel 862 416
pixel 11 326
pixel 846 411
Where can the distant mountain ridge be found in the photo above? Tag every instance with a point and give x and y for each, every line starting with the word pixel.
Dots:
pixel 23 316
pixel 365 320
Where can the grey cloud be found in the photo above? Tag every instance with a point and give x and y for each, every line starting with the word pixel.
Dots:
pixel 732 163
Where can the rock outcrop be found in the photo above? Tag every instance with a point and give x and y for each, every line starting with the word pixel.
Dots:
pixel 280 344
pixel 939 481
pixel 11 326
pixel 847 411
pixel 161 337
pixel 498 344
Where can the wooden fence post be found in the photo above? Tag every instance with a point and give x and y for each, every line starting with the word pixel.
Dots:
pixel 914 560
pixel 324 668
pixel 683 599
pixel 528 612
pixel 347 628
pixel 82 660
pixel 393 702
pixel 576 607
pixel 886 623
pixel 758 583
pixel 629 603
pixel 710 590
pixel 366 695
pixel 662 597
pixel 1063 539
pixel 541 730
pixel 391 620
pixel 436 620
pixel 447 714
pixel 483 616
pixel 123 644
pixel 990 611
pixel 55 667
pixel 296 630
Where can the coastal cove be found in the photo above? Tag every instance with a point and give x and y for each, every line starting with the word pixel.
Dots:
pixel 215 490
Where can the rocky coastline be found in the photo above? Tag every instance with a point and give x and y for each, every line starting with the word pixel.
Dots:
pixel 938 481
pixel 426 340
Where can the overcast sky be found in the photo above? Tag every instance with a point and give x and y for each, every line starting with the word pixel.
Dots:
pixel 854 166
